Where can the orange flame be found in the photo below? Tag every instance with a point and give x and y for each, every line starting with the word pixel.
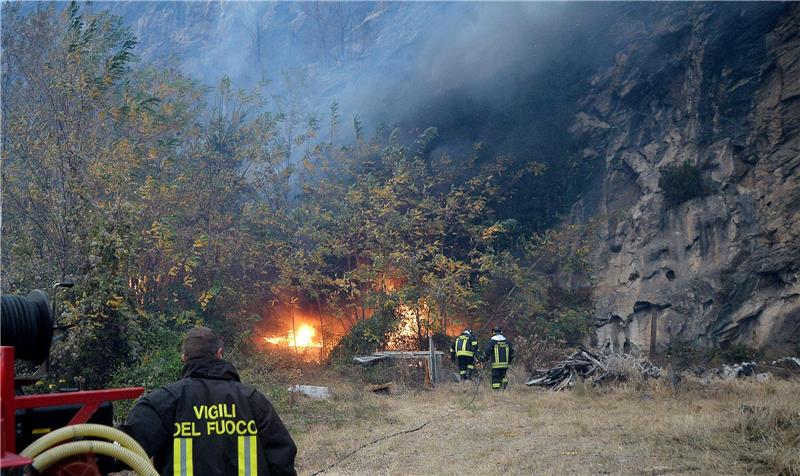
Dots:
pixel 305 338
pixel 408 322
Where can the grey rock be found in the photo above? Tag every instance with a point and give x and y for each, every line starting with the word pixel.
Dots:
pixel 312 391
pixel 718 88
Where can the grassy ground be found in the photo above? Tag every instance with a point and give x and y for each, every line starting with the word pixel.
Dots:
pixel 736 427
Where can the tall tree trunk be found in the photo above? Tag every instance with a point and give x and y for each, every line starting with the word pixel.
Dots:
pixel 321 330
pixel 294 328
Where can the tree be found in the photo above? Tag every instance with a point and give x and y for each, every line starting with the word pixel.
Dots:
pixel 340 29
pixel 171 203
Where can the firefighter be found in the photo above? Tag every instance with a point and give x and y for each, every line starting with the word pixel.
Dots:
pixel 465 350
pixel 500 353
pixel 208 422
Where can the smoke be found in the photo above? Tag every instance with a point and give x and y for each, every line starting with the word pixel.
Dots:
pixel 507 75
pixel 384 61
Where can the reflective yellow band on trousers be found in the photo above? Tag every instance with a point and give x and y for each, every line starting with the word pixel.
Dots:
pixel 248 456
pixel 182 457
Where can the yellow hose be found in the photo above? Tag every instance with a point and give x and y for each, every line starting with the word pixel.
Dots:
pixel 85 429
pixel 128 450
pixel 135 462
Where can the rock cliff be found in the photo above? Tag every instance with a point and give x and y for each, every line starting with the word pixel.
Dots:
pixel 717 86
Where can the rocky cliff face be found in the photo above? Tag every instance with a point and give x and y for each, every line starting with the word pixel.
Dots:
pixel 717 85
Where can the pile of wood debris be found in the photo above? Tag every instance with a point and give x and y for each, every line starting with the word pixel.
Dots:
pixel 593 368
pixel 596 368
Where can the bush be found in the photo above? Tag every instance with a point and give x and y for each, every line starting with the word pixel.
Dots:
pixel 276 366
pixel 367 335
pixel 681 183
pixel 537 353
pixel 565 324
pixel 159 366
pixel 738 353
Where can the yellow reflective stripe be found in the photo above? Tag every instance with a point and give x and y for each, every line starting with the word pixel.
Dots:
pixel 500 363
pixel 253 456
pixel 461 347
pixel 247 460
pixel 176 456
pixel 182 464
pixel 240 452
pixel 189 458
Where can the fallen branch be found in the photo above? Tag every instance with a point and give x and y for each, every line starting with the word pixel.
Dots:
pixel 593 368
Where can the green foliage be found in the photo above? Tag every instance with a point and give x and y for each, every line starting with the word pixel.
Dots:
pixel 158 366
pixel 681 183
pixel 367 335
pixel 737 353
pixel 172 204
pixel 565 324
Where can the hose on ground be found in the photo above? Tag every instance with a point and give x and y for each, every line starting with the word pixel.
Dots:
pixel 478 380
pixel 140 465
pixel 128 450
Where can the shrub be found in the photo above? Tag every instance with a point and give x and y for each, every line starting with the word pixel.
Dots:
pixel 159 366
pixel 566 324
pixel 367 335
pixel 681 183
pixel 738 352
pixel 536 352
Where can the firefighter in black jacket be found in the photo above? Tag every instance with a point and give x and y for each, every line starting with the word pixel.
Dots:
pixel 465 350
pixel 208 423
pixel 500 353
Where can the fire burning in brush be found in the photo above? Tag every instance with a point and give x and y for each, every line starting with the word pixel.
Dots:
pixel 305 337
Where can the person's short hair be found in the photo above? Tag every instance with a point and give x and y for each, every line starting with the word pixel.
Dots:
pixel 201 342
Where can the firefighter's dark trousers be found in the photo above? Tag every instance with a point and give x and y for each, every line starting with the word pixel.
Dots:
pixel 465 367
pixel 499 380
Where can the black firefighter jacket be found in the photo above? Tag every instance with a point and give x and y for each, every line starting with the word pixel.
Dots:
pixel 208 423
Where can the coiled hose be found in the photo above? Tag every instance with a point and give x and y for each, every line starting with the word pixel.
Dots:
pixel 128 450
pixel 27 323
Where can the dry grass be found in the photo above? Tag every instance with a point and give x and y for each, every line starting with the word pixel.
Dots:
pixel 719 428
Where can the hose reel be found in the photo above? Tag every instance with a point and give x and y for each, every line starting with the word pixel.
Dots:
pixel 27 323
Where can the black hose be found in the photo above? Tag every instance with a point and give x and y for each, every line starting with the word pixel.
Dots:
pixel 27 323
